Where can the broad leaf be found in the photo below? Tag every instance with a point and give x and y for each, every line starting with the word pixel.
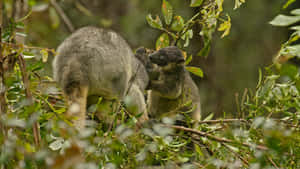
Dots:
pixel 167 11
pixel 155 23
pixel 295 12
pixel 195 70
pixel 162 41
pixel 283 20
pixel 196 3
pixel 177 24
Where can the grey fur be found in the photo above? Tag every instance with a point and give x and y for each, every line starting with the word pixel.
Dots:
pixel 102 61
pixel 174 87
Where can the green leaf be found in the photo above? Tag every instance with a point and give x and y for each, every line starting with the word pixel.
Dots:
pixel 220 5
pixel 225 27
pixel 187 36
pixel 178 24
pixel 238 3
pixel 295 28
pixel 198 150
pixel 162 41
pixel 167 11
pixel 288 3
pixel 154 23
pixel 209 117
pixel 44 55
pixel 295 12
pixel 283 20
pixel 196 3
pixel 195 70
pixel 205 50
pixel 28 55
pixel 189 59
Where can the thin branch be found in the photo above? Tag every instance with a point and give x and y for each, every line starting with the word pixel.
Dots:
pixel 236 154
pixel 273 163
pixel 222 121
pixel 27 47
pixel 36 127
pixel 63 16
pixel 218 139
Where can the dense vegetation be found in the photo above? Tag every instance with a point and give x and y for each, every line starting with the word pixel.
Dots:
pixel 35 133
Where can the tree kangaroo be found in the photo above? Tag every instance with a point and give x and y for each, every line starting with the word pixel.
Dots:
pixel 174 86
pixel 97 62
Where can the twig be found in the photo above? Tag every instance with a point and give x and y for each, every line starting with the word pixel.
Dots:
pixel 212 137
pixel 273 163
pixel 222 121
pixel 36 128
pixel 63 16
pixel 27 47
pixel 236 154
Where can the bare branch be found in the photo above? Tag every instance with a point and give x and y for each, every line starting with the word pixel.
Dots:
pixel 36 128
pixel 212 137
pixel 273 163
pixel 236 154
pixel 222 121
pixel 63 16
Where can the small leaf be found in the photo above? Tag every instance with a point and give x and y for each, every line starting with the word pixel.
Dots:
pixel 187 36
pixel 162 41
pixel 198 150
pixel 28 55
pixel 195 70
pixel 154 23
pixel 188 60
pixel 167 11
pixel 44 55
pixel 209 117
pixel 295 12
pixel 288 3
pixel 178 24
pixel 196 3
pixel 225 26
pixel 57 144
pixel 205 50
pixel 220 5
pixel 238 3
pixel 283 20
pixel 297 28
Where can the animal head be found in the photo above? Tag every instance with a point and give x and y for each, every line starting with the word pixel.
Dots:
pixel 167 56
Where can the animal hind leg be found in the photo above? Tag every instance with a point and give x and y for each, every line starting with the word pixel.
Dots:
pixel 77 99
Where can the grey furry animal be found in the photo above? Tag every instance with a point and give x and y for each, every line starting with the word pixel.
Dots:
pixel 97 62
pixel 174 87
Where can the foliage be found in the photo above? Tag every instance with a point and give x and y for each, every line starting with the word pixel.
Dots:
pixel 264 135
